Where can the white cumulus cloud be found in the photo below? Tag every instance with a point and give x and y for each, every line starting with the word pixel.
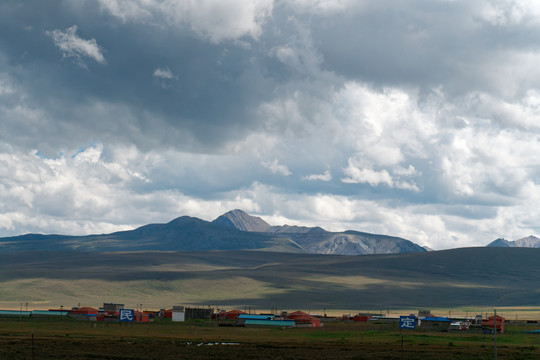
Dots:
pixel 355 175
pixel 326 176
pixel 277 168
pixel 214 19
pixel 164 73
pixel 75 47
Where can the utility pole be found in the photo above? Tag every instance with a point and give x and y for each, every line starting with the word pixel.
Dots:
pixel 495 330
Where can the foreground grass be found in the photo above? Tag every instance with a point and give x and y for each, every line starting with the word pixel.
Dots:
pixel 69 339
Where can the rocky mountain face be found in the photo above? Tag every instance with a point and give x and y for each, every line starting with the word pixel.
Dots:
pixel 528 242
pixel 316 240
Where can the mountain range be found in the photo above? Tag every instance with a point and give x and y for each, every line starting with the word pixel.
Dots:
pixel 234 230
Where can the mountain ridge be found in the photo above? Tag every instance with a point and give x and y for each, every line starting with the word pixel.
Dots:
pixel 316 240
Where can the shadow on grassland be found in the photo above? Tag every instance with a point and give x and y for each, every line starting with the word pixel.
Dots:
pixel 460 277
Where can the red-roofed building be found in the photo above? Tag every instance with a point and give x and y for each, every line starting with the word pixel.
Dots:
pixel 84 310
pixel 303 319
pixel 233 314
pixel 141 317
pixel 356 318
pixel 307 321
pixel 297 314
pixel 491 322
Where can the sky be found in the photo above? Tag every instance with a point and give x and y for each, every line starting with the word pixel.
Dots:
pixel 418 119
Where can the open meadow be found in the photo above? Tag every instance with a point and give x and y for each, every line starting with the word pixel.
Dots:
pixel 69 339
pixel 226 279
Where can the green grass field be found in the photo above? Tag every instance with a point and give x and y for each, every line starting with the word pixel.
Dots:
pixel 70 339
pixel 280 280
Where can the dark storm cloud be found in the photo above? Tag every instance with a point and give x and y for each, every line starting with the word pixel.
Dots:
pixel 217 90
pixel 422 43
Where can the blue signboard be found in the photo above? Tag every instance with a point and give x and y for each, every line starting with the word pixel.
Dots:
pixel 407 322
pixel 127 315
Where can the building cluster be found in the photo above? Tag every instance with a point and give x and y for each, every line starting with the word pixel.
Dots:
pixel 109 312
pixel 113 312
pixel 284 319
pixel 426 321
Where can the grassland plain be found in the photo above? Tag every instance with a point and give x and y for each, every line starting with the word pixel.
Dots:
pixel 69 339
pixel 474 277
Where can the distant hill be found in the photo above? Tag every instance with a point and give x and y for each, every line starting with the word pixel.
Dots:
pixel 234 230
pixel 528 242
pixel 316 240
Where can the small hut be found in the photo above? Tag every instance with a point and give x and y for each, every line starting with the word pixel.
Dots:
pixel 434 323
pixel 492 322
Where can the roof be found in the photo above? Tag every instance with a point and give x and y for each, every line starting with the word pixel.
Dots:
pixel 269 322
pixel 235 312
pixel 84 309
pixel 301 315
pixel 50 313
pixel 436 318
pixel 255 317
pixel 305 318
pixel 14 313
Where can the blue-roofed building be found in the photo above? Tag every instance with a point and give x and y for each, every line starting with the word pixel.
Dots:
pixel 273 323
pixel 255 317
pixel 48 313
pixel 14 313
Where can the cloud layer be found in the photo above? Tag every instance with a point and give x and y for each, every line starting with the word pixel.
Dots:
pixel 417 119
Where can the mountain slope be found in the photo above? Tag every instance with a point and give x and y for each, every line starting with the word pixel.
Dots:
pixel 316 240
pixel 319 241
